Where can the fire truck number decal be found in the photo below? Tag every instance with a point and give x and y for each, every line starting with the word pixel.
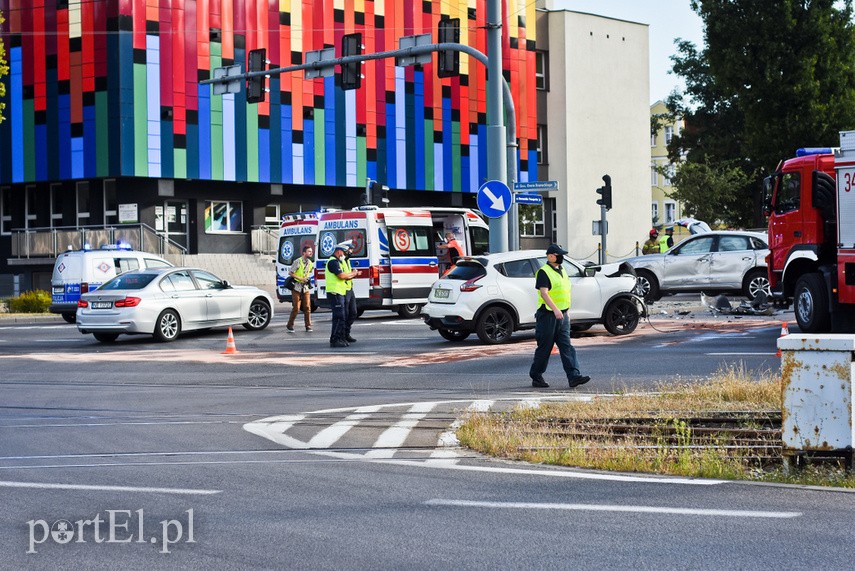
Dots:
pixel 847 181
pixel 356 240
pixel 402 240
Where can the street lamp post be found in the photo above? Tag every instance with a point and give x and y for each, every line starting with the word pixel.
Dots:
pixel 496 157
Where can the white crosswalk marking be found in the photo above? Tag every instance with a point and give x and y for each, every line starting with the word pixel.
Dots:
pixel 394 436
pixel 331 434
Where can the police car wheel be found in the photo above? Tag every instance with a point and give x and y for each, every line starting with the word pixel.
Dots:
pixel 168 326
pixel 106 337
pixel 70 317
pixel 259 315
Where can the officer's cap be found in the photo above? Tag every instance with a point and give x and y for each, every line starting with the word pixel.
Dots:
pixel 556 249
pixel 347 245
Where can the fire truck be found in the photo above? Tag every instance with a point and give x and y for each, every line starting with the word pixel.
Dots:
pixel 811 209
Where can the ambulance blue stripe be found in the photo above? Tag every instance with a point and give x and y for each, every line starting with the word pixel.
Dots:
pixel 412 261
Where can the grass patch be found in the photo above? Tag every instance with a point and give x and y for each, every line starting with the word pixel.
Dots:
pixel 727 427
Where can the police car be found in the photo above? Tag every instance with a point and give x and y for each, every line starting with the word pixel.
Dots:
pixel 80 271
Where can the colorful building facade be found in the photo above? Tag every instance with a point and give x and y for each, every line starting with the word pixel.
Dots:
pixel 107 93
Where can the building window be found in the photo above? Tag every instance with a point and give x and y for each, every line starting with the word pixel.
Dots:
pixel 83 201
pixel 5 210
pixel 542 157
pixel 654 176
pixel 669 134
pixel 668 175
pixel 55 205
pixel 532 223
pixel 223 217
pixel 271 215
pixel 30 203
pixel 654 213
pixel 652 139
pixel 670 212
pixel 541 79
pixel 111 205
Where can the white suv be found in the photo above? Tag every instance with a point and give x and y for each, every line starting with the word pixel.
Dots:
pixel 494 295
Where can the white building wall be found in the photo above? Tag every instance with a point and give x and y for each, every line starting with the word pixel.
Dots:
pixel 598 122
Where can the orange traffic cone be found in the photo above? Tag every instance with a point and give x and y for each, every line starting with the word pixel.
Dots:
pixel 784 331
pixel 555 350
pixel 230 344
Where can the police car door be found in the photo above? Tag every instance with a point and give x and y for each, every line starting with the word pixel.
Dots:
pixel 412 255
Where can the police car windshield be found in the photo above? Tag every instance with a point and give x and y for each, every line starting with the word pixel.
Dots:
pixel 128 281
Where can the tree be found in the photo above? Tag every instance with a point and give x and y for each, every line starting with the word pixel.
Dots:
pixel 4 70
pixel 713 193
pixel 772 77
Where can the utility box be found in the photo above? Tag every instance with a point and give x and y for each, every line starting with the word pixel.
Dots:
pixel 817 381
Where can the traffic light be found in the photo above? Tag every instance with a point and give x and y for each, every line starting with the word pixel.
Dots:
pixel 379 194
pixel 606 192
pixel 351 73
pixel 448 33
pixel 256 87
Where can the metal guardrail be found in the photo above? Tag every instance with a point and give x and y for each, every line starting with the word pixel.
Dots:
pixel 50 242
pixel 265 239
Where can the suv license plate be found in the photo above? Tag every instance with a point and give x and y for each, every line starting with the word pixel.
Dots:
pixel 441 293
pixel 102 304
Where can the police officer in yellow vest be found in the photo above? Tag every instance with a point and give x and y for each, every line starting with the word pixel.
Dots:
pixel 666 240
pixel 338 275
pixel 553 324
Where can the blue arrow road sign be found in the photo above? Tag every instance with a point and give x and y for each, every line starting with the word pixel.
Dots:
pixel 528 198
pixel 537 185
pixel 494 198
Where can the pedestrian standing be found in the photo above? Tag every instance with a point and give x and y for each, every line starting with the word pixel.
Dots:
pixel 337 274
pixel 350 309
pixel 667 240
pixel 301 271
pixel 552 323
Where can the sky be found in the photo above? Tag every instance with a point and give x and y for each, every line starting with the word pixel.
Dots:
pixel 668 19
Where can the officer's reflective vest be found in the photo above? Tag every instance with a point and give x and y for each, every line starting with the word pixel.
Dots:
pixel 345 267
pixel 559 287
pixel 663 243
pixel 334 283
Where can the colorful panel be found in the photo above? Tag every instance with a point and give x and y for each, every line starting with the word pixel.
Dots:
pixel 114 88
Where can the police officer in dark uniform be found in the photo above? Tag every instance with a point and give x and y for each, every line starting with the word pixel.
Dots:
pixel 553 324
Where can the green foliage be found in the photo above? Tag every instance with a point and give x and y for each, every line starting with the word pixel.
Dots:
pixel 4 70
pixel 772 77
pixel 35 301
pixel 714 193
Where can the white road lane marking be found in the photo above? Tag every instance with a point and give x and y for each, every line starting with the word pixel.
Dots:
pixel 613 508
pixel 43 486
pixel 394 436
pixel 740 354
pixel 331 434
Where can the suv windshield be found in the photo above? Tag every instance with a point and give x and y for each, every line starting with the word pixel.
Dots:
pixel 466 271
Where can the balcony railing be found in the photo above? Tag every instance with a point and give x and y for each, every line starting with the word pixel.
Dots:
pixel 50 242
pixel 265 239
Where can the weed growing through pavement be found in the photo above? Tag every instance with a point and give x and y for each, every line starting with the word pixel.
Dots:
pixel 727 427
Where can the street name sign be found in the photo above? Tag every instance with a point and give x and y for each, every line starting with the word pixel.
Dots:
pixel 537 185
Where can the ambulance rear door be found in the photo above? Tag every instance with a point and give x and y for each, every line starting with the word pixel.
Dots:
pixel 335 228
pixel 412 254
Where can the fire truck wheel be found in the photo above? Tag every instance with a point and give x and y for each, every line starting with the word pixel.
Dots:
pixel 811 304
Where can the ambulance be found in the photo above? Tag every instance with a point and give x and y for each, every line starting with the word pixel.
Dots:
pixel 81 271
pixel 394 251
pixel 295 231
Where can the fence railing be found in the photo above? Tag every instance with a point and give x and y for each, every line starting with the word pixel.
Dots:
pixel 50 242
pixel 265 239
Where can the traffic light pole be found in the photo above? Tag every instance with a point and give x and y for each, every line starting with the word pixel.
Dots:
pixel 603 234
pixel 497 165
